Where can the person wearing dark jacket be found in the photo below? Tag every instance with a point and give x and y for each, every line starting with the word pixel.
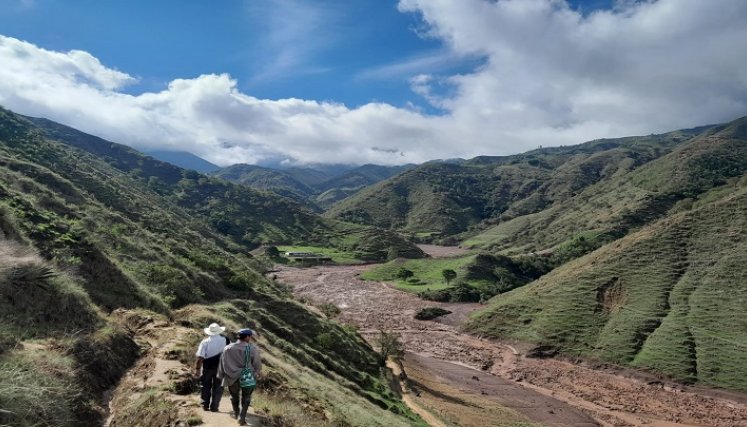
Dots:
pixel 208 358
pixel 232 363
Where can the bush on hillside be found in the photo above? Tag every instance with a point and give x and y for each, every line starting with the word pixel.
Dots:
pixel 430 313
pixel 330 310
pixel 7 342
pixel 461 292
pixel 404 274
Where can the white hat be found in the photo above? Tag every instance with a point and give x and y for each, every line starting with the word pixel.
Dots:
pixel 214 329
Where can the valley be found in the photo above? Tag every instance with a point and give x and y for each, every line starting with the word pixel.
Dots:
pixel 462 377
pixel 451 213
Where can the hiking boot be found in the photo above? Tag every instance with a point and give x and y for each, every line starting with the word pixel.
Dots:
pixel 235 415
pixel 242 422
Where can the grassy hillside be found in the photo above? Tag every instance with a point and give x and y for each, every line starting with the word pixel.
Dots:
pixel 668 297
pixel 451 198
pixel 612 208
pixel 308 186
pixel 89 228
pixel 126 180
pixel 266 179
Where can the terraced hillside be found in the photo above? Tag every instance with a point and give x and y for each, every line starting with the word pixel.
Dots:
pixel 98 241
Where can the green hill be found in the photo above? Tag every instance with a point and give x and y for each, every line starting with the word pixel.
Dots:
pixel 664 287
pixel 613 207
pixel 312 187
pixel 452 198
pixel 246 216
pixel 89 228
pixel 266 179
pixel 630 251
pixel 668 297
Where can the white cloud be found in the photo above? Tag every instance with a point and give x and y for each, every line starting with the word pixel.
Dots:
pixel 292 33
pixel 406 68
pixel 647 66
pixel 550 76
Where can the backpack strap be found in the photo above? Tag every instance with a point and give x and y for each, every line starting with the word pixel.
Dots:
pixel 247 351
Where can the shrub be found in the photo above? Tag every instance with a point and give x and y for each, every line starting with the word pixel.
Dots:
pixel 330 310
pixel 404 274
pixel 430 313
pixel 462 292
pixel 326 340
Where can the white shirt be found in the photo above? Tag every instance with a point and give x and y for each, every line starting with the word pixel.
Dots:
pixel 211 346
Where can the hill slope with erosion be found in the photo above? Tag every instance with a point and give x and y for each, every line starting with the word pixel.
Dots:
pixel 666 296
pixel 90 230
pixel 451 198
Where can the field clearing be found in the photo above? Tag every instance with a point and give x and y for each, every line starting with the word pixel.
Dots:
pixel 427 271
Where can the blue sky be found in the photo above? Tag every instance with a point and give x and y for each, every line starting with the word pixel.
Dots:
pixel 349 51
pixel 372 81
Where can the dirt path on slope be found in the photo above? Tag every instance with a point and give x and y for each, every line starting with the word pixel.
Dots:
pixel 606 396
pixel 160 370
pixel 413 404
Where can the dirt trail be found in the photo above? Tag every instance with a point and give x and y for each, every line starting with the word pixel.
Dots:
pixel 413 404
pixel 161 370
pixel 608 397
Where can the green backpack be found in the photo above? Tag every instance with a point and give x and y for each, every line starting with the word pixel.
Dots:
pixel 247 379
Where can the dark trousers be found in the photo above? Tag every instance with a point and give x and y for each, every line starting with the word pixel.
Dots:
pixel 246 399
pixel 211 388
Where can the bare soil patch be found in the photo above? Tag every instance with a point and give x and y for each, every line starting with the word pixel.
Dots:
pixel 608 397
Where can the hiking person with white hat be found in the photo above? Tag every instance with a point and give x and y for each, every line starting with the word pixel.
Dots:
pixel 240 368
pixel 208 357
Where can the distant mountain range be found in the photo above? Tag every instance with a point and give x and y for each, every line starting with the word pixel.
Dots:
pixel 184 160
pixel 317 187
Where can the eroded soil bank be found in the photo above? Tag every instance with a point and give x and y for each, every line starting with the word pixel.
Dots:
pixel 461 375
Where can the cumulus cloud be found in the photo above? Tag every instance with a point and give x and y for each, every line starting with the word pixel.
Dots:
pixel 554 74
pixel 549 76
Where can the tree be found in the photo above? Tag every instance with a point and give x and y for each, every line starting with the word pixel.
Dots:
pixel 449 275
pixel 272 251
pixel 404 274
pixel 390 346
